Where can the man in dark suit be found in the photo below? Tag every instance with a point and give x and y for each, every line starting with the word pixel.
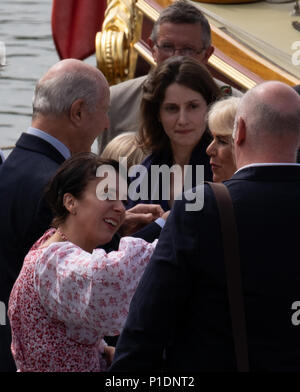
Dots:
pixel 69 110
pixel 179 316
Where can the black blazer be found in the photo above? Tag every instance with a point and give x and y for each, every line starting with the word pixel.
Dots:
pixel 181 307
pixel 198 157
pixel 24 216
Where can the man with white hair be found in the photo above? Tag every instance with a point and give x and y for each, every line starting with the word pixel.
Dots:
pixel 69 110
pixel 181 306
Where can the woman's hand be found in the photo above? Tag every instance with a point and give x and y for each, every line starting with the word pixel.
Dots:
pixel 109 352
pixel 140 216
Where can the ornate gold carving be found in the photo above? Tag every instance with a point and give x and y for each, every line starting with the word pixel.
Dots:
pixel 121 29
pixel 147 10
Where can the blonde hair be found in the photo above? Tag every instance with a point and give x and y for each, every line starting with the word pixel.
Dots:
pixel 221 116
pixel 124 145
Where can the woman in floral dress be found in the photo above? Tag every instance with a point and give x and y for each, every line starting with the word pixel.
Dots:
pixel 70 294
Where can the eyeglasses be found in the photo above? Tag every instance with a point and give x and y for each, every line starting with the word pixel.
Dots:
pixel 170 50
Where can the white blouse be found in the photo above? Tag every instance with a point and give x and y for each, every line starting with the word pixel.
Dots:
pixel 66 299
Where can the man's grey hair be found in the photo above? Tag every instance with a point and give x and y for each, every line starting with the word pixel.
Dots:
pixel 55 96
pixel 183 12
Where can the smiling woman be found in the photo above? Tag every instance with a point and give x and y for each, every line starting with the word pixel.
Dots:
pixel 69 294
pixel 79 212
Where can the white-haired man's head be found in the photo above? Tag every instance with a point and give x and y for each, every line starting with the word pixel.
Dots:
pixel 71 102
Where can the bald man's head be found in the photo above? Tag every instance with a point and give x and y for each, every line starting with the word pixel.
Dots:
pixel 64 83
pixel 270 116
pixel 271 106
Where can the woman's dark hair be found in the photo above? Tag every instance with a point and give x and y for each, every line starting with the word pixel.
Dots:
pixel 72 177
pixel 177 69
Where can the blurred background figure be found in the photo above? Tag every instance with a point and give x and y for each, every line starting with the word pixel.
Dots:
pixel 124 145
pixel 221 150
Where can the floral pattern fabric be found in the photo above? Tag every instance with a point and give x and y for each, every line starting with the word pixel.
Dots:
pixel 66 299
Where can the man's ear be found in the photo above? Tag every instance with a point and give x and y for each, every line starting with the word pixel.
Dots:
pixel 208 52
pixel 152 48
pixel 76 111
pixel 240 136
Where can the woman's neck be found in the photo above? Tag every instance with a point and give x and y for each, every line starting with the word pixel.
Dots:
pixel 69 232
pixel 182 156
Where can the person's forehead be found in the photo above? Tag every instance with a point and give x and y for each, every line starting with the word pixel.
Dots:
pixel 177 31
pixel 176 92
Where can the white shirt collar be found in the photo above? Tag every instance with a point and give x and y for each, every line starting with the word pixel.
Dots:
pixel 268 164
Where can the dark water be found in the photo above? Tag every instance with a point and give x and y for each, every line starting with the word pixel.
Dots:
pixel 25 28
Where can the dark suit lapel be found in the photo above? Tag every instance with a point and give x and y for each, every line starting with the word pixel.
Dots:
pixel 36 144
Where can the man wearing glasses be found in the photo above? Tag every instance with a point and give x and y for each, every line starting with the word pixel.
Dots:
pixel 181 29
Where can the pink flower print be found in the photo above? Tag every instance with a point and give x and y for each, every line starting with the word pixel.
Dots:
pixel 69 296
pixel 134 269
pixel 105 283
pixel 112 301
pixel 103 316
pixel 80 284
pixel 103 303
pixel 116 286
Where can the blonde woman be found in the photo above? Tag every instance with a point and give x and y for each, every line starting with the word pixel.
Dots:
pixel 124 145
pixel 221 123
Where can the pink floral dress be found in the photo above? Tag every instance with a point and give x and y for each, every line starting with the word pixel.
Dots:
pixel 66 299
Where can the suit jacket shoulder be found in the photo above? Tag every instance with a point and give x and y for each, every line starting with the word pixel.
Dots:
pixel 23 213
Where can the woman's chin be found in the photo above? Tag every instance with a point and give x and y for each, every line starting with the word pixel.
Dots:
pixel 106 239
